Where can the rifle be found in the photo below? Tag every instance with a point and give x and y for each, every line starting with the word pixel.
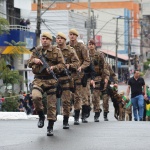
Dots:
pixel 45 64
pixel 89 72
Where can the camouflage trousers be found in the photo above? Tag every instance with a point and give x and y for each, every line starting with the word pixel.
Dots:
pixel 66 99
pixel 77 95
pixel 96 95
pixel 105 98
pixel 39 87
pixel 85 92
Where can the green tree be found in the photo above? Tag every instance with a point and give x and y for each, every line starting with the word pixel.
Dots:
pixel 4 26
pixel 9 77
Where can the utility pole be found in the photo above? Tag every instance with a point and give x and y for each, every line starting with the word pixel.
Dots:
pixel 93 24
pixel 38 25
pixel 129 44
pixel 89 21
pixel 141 42
pixel 116 68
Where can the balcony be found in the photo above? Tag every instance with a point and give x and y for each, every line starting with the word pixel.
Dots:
pixel 18 33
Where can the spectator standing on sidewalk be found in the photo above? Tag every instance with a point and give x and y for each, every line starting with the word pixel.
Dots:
pixel 136 83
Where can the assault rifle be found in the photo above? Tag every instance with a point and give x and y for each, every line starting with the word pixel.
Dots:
pixel 89 72
pixel 45 64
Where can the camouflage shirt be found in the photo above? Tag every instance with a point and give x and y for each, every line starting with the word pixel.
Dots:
pixel 82 54
pixel 109 71
pixel 98 61
pixel 71 58
pixel 53 57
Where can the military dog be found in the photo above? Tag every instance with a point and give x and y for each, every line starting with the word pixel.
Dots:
pixel 117 103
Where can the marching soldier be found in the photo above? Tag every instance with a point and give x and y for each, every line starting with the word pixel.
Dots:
pixel 44 81
pixel 105 95
pixel 72 64
pixel 98 61
pixel 80 95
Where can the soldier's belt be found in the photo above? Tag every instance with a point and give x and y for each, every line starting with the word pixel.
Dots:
pixel 78 84
pixel 62 75
pixel 97 82
pixel 64 81
pixel 43 77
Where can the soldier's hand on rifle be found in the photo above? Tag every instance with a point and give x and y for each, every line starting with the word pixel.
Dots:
pixel 67 66
pixel 92 83
pixel 37 61
pixel 106 81
pixel 79 69
pixel 50 68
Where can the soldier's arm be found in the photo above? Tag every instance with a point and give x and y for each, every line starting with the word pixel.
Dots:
pixel 104 70
pixel 61 62
pixel 75 62
pixel 30 62
pixel 86 58
pixel 112 73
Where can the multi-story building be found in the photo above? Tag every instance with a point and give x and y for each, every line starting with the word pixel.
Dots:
pixel 13 11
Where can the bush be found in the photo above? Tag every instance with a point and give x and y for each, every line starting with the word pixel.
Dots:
pixel 146 65
pixel 10 104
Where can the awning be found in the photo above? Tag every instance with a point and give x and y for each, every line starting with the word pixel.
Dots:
pixel 113 54
pixel 16 50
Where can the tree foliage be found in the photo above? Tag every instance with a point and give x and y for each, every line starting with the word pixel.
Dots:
pixel 18 48
pixel 4 26
pixel 10 104
pixel 9 77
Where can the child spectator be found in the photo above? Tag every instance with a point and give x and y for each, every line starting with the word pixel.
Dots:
pixel 127 107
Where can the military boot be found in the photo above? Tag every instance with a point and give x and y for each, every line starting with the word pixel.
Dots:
pixel 41 119
pixel 96 117
pixel 65 122
pixel 105 116
pixel 76 117
pixel 84 113
pixel 50 128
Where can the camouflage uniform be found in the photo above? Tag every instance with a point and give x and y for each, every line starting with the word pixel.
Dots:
pixel 72 59
pixel 98 61
pixel 44 82
pixel 105 96
pixel 80 93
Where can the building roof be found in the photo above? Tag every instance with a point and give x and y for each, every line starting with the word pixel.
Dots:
pixel 113 54
pixel 14 49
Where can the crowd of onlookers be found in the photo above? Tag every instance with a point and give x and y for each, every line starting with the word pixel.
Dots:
pixel 25 23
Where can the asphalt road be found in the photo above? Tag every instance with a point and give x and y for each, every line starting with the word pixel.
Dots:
pixel 111 135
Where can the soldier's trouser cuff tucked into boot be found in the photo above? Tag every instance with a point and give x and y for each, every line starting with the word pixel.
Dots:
pixel 65 122
pixel 50 127
pixel 76 117
pixel 41 119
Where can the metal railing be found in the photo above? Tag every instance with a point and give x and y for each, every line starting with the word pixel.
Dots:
pixel 22 28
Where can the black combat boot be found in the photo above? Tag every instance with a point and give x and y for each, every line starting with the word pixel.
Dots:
pixel 96 117
pixel 41 119
pixel 76 117
pixel 105 116
pixel 88 111
pixel 84 113
pixel 50 128
pixel 65 122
